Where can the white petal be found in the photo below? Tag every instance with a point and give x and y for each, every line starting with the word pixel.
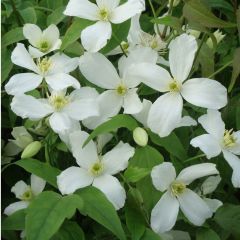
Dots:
pixel 109 4
pixel 234 162
pixel 32 33
pixel 104 74
pixel 210 184
pixel 22 58
pixel 102 140
pixel 27 106
pixel 12 208
pixel 37 184
pixel 61 81
pixel 181 55
pixel 126 11
pixel 35 53
pixel 193 207
pixel 208 144
pixel 213 204
pixel 236 148
pixel 72 179
pixel 109 105
pixel 86 156
pixel 112 188
pixel 179 235
pixel 132 103
pixel 22 82
pixel 191 173
pixel 83 9
pixel 95 37
pixel 204 92
pixel 51 34
pixel 212 122
pixel 60 122
pixel 117 159
pixel 135 29
pixel 187 121
pixel 163 175
pixel 19 189
pixel 152 75
pixel 61 63
pixel 83 93
pixel 165 114
pixel 164 214
pixel 82 109
pixel 143 114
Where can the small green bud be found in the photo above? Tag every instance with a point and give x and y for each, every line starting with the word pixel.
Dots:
pixel 140 136
pixel 31 150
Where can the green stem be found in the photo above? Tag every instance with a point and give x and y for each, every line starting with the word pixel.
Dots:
pixel 169 13
pixel 154 15
pixel 193 158
pixel 18 17
pixel 117 39
pixel 220 69
pixel 43 8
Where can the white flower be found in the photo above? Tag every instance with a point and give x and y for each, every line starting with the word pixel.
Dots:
pixel 25 193
pixel 219 37
pixel 105 12
pixel 54 70
pixel 95 169
pixel 142 116
pixel 218 140
pixel 165 212
pixel 122 91
pixel 166 112
pixel 43 42
pixel 209 186
pixel 22 138
pixel 65 110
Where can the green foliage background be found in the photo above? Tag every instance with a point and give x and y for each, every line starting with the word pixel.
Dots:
pixel 87 214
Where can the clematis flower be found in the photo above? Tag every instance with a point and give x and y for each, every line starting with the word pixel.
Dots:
pixel 43 42
pixel 64 109
pixel 165 212
pixel 96 170
pixel 166 112
pixel 54 70
pixel 105 12
pixel 218 140
pixel 25 193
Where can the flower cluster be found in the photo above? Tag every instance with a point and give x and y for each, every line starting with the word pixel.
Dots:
pixel 71 109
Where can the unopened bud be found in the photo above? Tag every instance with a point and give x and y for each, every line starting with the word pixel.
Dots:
pixel 31 150
pixel 140 136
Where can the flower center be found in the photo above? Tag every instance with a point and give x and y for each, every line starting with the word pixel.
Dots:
pixel 154 43
pixel 121 89
pixel 104 14
pixel 27 196
pixel 177 188
pixel 96 169
pixel 125 46
pixel 174 86
pixel 228 139
pixel 44 46
pixel 58 101
pixel 44 64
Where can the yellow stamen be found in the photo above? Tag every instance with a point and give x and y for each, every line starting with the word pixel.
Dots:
pixel 44 46
pixel 27 196
pixel 104 14
pixel 228 139
pixel 44 64
pixel 97 169
pixel 177 188
pixel 121 90
pixel 174 86
pixel 58 101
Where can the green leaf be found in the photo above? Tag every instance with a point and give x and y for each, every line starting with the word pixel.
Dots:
pixel 134 219
pixel 171 143
pixel 119 34
pixel 14 35
pixel 56 17
pixel 150 235
pixel 74 31
pixel 47 212
pixel 40 169
pixel 170 21
pixel 236 69
pixel 69 231
pixel 7 64
pixel 134 174
pixel 97 207
pixel 29 15
pixel 119 121
pixel 228 217
pixel 219 4
pixel 16 221
pixel 195 10
pixel 205 233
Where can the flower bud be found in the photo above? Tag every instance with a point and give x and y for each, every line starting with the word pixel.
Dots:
pixel 31 150
pixel 219 37
pixel 140 136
